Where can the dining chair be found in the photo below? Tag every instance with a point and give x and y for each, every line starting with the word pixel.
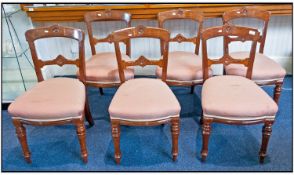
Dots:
pixel 143 101
pixel 55 101
pixel 184 68
pixel 265 70
pixel 101 69
pixel 232 99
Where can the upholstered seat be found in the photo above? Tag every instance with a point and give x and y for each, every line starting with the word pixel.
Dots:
pixel 236 98
pixel 144 99
pixel 264 68
pixel 102 67
pixel 51 100
pixel 183 66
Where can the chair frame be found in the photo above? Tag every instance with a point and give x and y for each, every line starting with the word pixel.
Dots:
pixel 143 32
pixel 243 34
pixel 252 12
pixel 48 32
pixel 195 15
pixel 107 15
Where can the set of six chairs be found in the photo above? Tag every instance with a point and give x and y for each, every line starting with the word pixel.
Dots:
pixel 228 99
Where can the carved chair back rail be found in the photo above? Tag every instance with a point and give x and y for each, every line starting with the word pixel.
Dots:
pixel 228 32
pixel 107 15
pixel 141 32
pixel 250 12
pixel 56 31
pixel 194 15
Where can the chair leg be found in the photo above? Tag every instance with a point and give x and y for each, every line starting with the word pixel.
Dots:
pixel 81 132
pixel 101 91
pixel 192 89
pixel 206 129
pixel 115 129
pixel 88 114
pixel 278 90
pixel 175 129
pixel 21 134
pixel 266 133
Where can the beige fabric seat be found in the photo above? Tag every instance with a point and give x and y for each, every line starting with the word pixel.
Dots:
pixel 236 98
pixel 264 68
pixel 183 66
pixel 102 67
pixel 51 100
pixel 144 99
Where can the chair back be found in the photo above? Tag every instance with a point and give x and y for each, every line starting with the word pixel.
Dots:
pixel 230 34
pixel 194 15
pixel 56 31
pixel 107 15
pixel 250 12
pixel 141 32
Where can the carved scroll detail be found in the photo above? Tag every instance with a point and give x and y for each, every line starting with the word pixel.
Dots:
pixel 143 61
pixel 180 38
pixel 59 60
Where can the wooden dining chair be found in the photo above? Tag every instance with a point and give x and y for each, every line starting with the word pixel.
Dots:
pixel 235 99
pixel 265 70
pixel 143 101
pixel 184 68
pixel 55 101
pixel 101 68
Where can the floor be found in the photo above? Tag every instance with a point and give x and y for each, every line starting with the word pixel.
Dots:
pixel 231 148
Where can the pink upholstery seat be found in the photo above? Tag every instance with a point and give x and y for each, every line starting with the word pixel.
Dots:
pixel 144 99
pixel 102 67
pixel 264 68
pixel 183 66
pixel 51 100
pixel 236 98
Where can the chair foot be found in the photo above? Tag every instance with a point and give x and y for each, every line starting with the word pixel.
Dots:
pixel 175 129
pixel 206 129
pixel 101 91
pixel 81 132
pixel 22 137
pixel 115 129
pixel 266 133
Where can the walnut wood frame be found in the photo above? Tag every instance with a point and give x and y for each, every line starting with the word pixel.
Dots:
pixel 195 15
pixel 241 34
pixel 48 32
pixel 253 12
pixel 143 32
pixel 107 15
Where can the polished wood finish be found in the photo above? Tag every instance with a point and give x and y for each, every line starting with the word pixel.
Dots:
pixel 206 129
pixel 22 137
pixel 107 15
pixel 143 11
pixel 266 133
pixel 48 32
pixel 194 15
pixel 240 34
pixel 254 12
pixel 231 34
pixel 175 129
pixel 81 132
pixel 142 32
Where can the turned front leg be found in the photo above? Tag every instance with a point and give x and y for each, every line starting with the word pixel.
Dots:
pixel 81 132
pixel 277 91
pixel 21 135
pixel 175 129
pixel 206 129
pixel 115 129
pixel 266 133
